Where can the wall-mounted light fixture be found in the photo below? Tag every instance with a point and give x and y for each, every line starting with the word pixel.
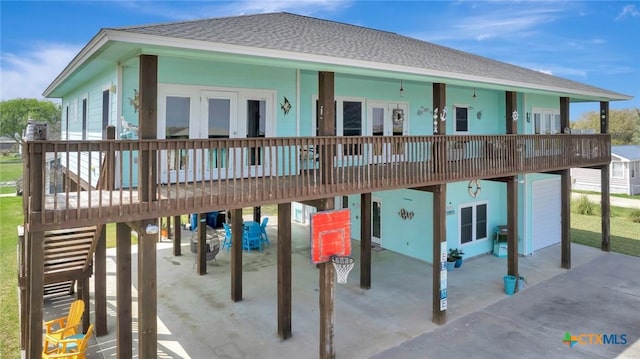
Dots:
pixel 401 89
pixel 474 97
pixel 528 116
pixel 113 88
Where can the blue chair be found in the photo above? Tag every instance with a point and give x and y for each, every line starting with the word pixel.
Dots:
pixel 263 231
pixel 226 243
pixel 252 236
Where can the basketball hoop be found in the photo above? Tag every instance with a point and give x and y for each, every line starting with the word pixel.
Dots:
pixel 343 265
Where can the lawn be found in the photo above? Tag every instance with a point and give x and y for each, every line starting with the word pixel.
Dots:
pixel 10 171
pixel 11 209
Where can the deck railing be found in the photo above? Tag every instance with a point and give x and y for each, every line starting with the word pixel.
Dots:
pixel 207 174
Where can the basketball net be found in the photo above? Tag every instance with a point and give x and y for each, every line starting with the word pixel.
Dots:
pixel 343 265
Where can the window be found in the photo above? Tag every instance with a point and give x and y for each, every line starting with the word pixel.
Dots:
pixel 177 126
pixel 462 119
pixel 634 168
pixel 617 170
pixel 84 118
pixel 546 121
pixel 105 112
pixel 473 222
pixel 66 115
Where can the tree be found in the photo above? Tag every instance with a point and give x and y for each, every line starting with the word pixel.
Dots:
pixel 624 125
pixel 15 113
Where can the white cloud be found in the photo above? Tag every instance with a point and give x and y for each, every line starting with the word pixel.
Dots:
pixel 28 74
pixel 496 20
pixel 628 10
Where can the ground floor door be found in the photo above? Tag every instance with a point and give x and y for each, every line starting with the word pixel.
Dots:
pixel 546 218
pixel 376 221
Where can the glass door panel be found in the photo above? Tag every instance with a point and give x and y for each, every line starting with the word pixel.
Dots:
pixel 219 112
pixel 376 221
pixel 177 120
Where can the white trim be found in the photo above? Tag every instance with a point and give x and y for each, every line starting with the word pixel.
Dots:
pixel 106 35
pixel 473 205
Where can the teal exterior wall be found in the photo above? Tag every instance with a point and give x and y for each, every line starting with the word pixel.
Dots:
pixel 410 237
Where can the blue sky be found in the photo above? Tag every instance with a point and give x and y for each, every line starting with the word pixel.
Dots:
pixel 594 42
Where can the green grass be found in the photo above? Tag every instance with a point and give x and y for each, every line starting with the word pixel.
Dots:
pixel 637 196
pixel 587 229
pixel 11 209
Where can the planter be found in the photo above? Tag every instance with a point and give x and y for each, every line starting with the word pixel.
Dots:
pixel 451 265
pixel 521 282
pixel 509 284
pixel 458 263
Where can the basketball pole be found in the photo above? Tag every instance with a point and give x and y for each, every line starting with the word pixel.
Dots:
pixel 327 316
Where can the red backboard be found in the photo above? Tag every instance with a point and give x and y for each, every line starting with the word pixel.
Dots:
pixel 330 234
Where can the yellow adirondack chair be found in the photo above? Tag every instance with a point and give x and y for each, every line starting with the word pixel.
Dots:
pixel 63 327
pixel 73 347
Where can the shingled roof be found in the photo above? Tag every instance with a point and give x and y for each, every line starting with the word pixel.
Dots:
pixel 302 34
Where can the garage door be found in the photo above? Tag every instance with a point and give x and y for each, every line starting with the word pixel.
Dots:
pixel 546 213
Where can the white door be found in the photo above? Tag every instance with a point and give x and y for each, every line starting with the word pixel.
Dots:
pixel 376 221
pixel 218 112
pixel 546 219
pixel 256 119
pixel 386 120
pixel 178 116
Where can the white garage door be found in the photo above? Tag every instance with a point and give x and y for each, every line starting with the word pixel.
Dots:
pixel 546 213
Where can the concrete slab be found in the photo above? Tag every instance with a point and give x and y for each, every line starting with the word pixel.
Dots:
pixel 197 319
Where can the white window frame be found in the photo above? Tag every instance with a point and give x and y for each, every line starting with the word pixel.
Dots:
pixel 455 119
pixel 540 125
pixel 622 168
pixel 474 206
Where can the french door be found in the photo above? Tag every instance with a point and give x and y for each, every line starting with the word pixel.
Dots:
pixel 386 120
pixel 189 112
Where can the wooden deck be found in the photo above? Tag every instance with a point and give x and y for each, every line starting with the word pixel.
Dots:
pixel 277 172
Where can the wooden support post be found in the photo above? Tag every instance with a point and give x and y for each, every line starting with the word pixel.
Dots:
pixel 605 189
pixel 147 295
pixel 605 209
pixel 565 194
pixel 257 216
pixel 83 294
pixel 439 247
pixel 148 126
pixel 440 103
pixel 201 248
pixel 511 100
pixel 512 224
pixel 35 291
pixel 439 159
pixel 100 282
pixel 565 208
pixel 124 338
pixel 326 122
pixel 284 270
pixel 177 236
pixel 365 240
pixel 327 283
pixel 236 255
pixel 326 127
pixel 35 278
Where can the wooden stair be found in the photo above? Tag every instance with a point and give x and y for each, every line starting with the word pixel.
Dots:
pixel 68 257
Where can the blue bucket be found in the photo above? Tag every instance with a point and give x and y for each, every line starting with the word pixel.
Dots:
pixel 509 284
